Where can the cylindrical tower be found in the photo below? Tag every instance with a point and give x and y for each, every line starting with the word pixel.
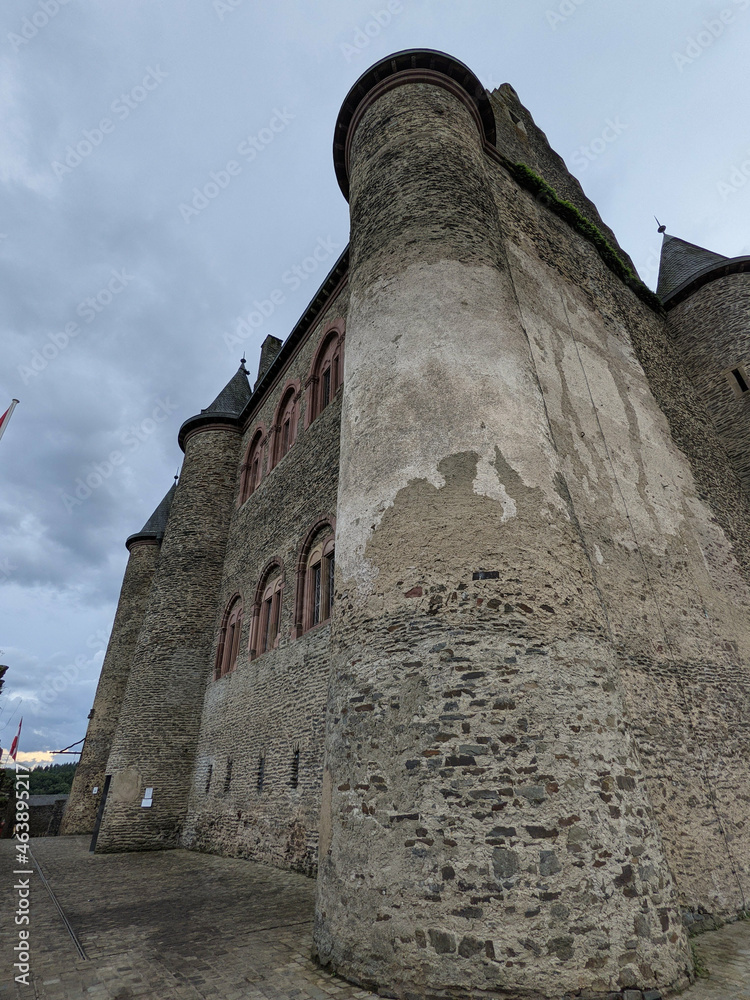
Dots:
pixel 480 777
pixel 85 795
pixel 708 301
pixel 152 754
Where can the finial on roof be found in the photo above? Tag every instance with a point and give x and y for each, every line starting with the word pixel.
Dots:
pixel 661 229
pixel 177 476
pixel 242 366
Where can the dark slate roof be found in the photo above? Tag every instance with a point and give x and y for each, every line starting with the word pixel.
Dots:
pixel 157 523
pixel 234 396
pixel 680 261
pixel 46 800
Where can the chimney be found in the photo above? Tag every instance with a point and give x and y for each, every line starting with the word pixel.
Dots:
pixel 268 351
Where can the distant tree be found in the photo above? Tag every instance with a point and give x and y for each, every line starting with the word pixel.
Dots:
pixel 54 779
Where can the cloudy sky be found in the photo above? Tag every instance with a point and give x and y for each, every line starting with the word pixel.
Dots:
pixel 122 283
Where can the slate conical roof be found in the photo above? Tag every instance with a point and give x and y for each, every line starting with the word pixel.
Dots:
pixel 234 396
pixel 681 261
pixel 225 409
pixel 157 523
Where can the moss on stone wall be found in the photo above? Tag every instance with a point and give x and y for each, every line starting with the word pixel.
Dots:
pixel 532 182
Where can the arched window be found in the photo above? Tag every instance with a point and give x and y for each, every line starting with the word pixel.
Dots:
pixel 327 373
pixel 315 575
pixel 285 424
pixel 252 467
pixel 267 610
pixel 229 638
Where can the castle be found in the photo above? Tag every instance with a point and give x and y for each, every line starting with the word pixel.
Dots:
pixel 450 607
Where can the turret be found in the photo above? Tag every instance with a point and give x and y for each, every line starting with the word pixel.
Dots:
pixel 88 784
pixel 152 754
pixel 462 804
pixel 707 297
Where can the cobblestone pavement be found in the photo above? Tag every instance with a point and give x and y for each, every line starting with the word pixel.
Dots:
pixel 186 926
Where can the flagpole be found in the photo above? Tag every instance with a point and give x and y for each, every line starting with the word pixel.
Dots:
pixel 7 415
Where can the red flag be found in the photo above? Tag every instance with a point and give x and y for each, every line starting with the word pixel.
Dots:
pixel 4 420
pixel 14 744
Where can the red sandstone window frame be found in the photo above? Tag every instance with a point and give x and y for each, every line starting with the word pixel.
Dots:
pixel 229 638
pixel 265 630
pixel 252 472
pixel 326 372
pixel 314 593
pixel 285 423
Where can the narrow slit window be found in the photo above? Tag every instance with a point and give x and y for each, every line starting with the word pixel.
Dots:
pixel 261 772
pixel 317 580
pixel 329 595
pixel 228 775
pixel 208 778
pixel 269 636
pixel 295 769
pixel 739 376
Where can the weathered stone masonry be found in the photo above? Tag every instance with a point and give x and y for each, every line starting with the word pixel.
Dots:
pixel 517 753
pixel 88 783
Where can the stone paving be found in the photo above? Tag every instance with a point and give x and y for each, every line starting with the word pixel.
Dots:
pixel 183 925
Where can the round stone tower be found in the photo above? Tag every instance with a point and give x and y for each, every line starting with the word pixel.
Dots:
pixel 708 301
pixel 476 746
pixel 85 795
pixel 152 753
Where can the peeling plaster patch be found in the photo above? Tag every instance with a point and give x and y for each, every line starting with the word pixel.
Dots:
pixel 487 484
pixel 407 374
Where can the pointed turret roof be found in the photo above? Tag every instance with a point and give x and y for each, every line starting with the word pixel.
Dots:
pixel 225 409
pixel 156 525
pixel 234 396
pixel 681 261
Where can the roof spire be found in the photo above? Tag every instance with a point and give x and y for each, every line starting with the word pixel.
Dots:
pixel 661 229
pixel 681 261
pixel 234 395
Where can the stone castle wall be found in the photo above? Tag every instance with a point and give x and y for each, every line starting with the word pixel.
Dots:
pixel 155 740
pixel 515 732
pixel 519 749
pixel 83 804
pixel 274 705
pixel 711 330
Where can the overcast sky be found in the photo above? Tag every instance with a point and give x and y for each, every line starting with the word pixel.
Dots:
pixel 122 284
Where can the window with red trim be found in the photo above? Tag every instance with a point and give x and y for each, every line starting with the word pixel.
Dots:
pixel 315 587
pixel 328 373
pixel 285 429
pixel 252 469
pixel 267 611
pixel 229 638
